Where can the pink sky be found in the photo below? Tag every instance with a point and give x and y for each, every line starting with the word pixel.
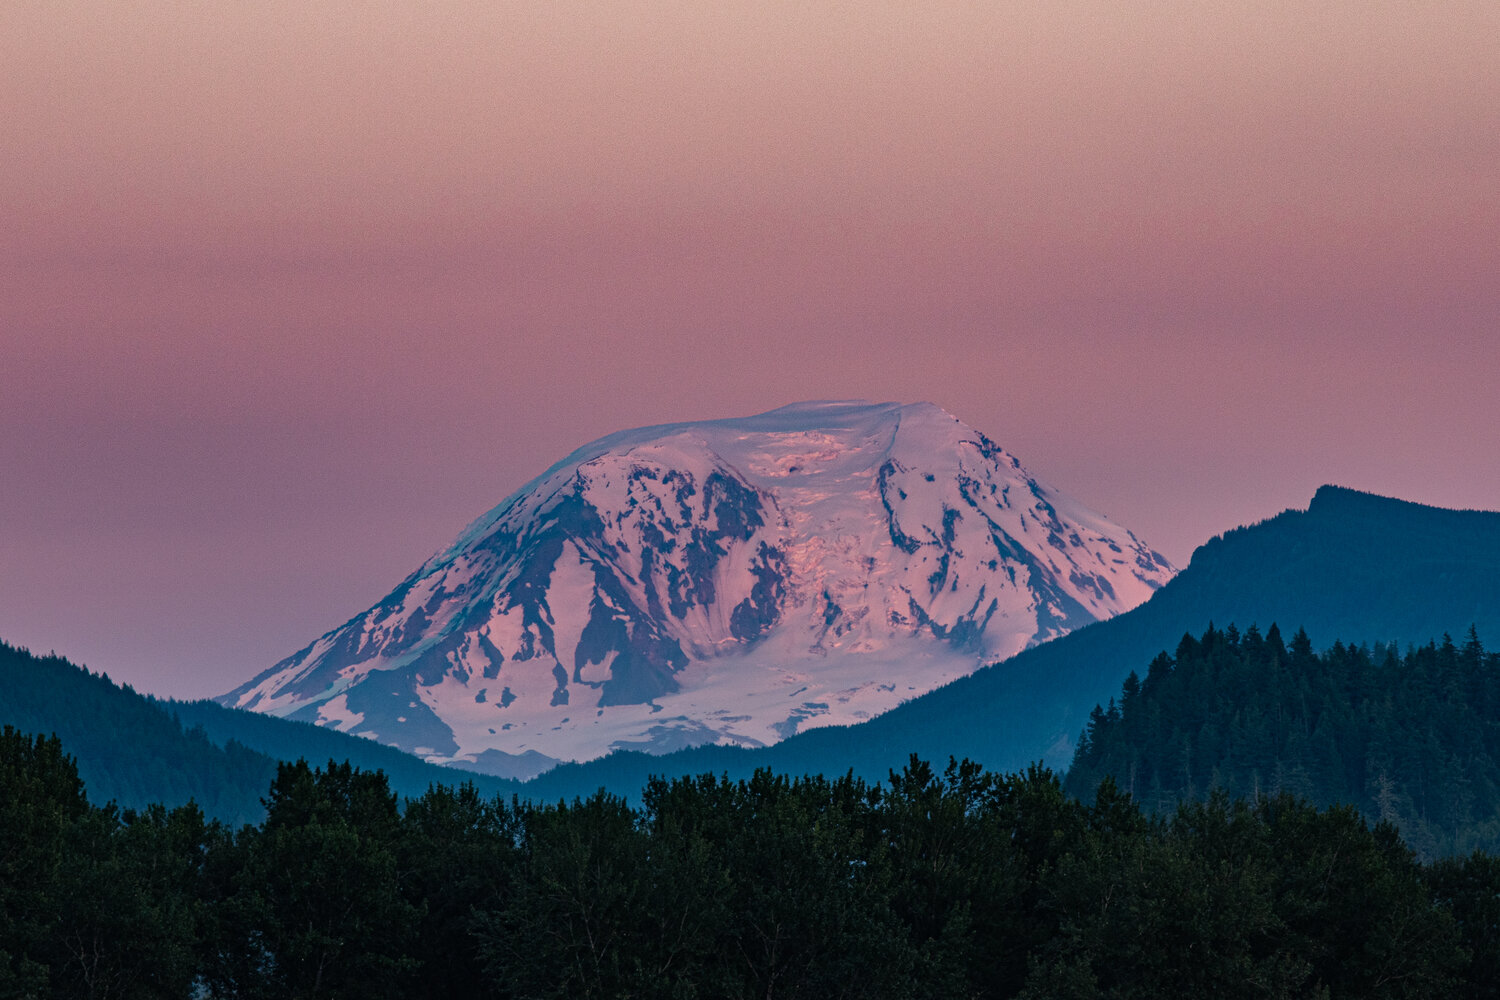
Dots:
pixel 290 292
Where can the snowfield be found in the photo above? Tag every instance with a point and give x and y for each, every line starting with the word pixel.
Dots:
pixel 729 581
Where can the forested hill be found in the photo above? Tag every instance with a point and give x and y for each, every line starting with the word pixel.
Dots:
pixel 1406 737
pixel 128 750
pixel 135 750
pixel 1352 564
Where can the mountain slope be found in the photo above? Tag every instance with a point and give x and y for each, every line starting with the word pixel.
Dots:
pixel 284 739
pixel 128 750
pixel 729 582
pixel 136 750
pixel 1352 564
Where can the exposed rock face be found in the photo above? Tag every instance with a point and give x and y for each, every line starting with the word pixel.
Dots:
pixel 723 581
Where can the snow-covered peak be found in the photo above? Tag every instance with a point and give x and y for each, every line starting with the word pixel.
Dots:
pixel 726 580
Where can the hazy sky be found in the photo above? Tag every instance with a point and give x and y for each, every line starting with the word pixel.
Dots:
pixel 290 292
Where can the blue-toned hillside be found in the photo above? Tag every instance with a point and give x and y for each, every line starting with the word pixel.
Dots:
pixel 1352 566
pixel 135 750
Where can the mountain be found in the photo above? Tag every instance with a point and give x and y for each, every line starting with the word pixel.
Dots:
pixel 1351 565
pixel 723 582
pixel 136 750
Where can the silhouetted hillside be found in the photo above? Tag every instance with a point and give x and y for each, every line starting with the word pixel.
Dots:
pixel 1352 564
pixel 128 749
pixel 136 750
pixel 286 740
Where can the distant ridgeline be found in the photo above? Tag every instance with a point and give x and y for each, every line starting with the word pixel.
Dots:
pixel 136 751
pixel 128 749
pixel 1412 738
pixel 1352 565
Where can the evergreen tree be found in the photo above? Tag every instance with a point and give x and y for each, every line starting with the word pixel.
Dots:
pixel 315 905
pixel 41 799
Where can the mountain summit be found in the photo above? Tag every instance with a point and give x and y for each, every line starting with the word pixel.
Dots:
pixel 726 581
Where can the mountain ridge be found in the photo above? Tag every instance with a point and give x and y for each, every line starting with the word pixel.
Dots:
pixel 137 750
pixel 1352 566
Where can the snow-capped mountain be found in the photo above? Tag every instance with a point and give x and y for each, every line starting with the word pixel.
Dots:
pixel 725 581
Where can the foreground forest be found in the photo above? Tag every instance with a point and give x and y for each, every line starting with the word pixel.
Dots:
pixel 965 883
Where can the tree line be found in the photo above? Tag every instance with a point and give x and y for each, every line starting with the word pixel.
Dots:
pixel 959 883
pixel 1406 737
pixel 126 746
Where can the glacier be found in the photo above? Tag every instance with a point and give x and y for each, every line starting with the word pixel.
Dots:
pixel 727 581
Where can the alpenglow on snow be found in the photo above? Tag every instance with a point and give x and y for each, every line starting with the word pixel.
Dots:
pixel 727 581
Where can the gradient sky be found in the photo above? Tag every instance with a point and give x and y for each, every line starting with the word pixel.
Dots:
pixel 290 292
